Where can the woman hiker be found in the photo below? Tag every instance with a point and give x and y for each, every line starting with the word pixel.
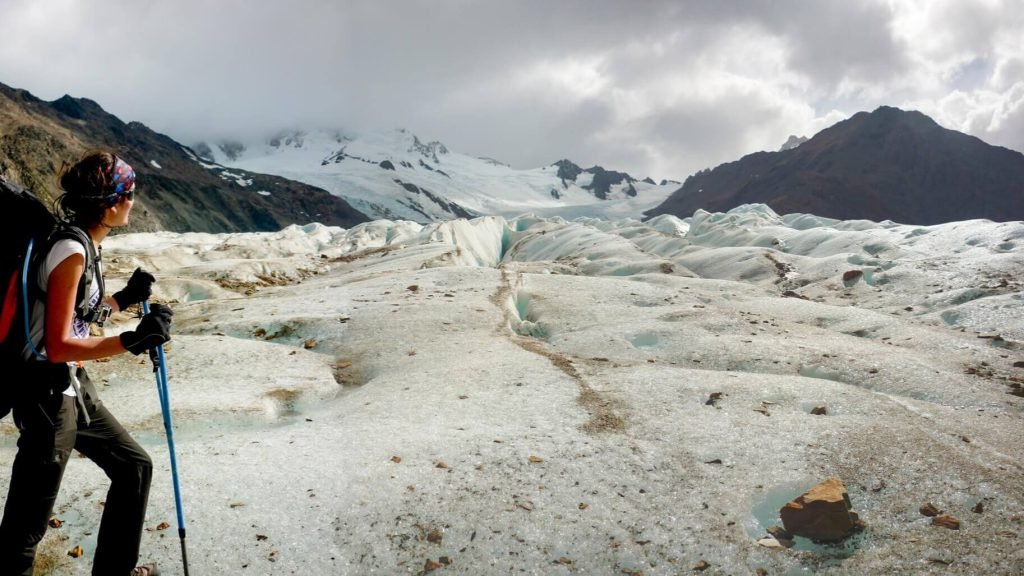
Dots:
pixel 60 410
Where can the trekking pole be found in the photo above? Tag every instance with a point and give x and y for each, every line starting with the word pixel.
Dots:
pixel 160 369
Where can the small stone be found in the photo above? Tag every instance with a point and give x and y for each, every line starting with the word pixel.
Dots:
pixel 76 552
pixel 396 459
pixel 1019 364
pixel 413 288
pixel 929 509
pixel 701 566
pixel 819 411
pixel 713 398
pixel 978 508
pixel 780 533
pixel 535 459
pixel 435 536
pixel 309 343
pixel 946 521
pixel 769 542
pixel 55 523
pixel 445 560
pixel 441 465
pixel 852 275
pixel 430 566
pixel 939 556
pixel 761 572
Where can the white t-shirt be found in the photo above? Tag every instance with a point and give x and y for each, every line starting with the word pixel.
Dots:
pixel 62 250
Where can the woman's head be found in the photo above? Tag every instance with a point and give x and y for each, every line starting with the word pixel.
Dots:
pixel 98 190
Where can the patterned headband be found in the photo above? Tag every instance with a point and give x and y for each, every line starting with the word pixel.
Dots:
pixel 122 179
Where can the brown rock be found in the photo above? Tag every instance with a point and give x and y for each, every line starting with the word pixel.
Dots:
pixel 929 509
pixel 430 566
pixel 819 410
pixel 946 521
pixel 1019 364
pixel 852 275
pixel 701 566
pixel 978 508
pixel 822 513
pixel 76 552
pixel 55 523
pixel 761 572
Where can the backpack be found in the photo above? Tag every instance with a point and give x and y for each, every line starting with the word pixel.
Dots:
pixel 27 238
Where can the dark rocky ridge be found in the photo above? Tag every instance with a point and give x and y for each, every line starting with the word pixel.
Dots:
pixel 181 195
pixel 889 164
pixel 602 182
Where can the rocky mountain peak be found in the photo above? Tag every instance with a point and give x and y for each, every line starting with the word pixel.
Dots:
pixel 793 142
pixel 567 170
pixel 429 150
pixel 889 164
pixel 182 189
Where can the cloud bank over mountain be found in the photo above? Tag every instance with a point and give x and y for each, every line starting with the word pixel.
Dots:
pixel 662 88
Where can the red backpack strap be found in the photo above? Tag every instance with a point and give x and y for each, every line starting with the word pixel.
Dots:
pixel 9 306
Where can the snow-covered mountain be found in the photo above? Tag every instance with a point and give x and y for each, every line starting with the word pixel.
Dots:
pixel 396 175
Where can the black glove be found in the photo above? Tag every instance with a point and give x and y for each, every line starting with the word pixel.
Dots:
pixel 139 289
pixel 153 330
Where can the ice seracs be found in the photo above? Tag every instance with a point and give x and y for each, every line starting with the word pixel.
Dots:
pixel 592 388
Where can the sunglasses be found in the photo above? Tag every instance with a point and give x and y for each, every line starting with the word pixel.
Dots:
pixel 115 198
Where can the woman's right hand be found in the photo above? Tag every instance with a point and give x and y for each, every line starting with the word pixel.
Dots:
pixel 138 289
pixel 153 330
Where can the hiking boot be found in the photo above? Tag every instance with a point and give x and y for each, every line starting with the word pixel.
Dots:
pixel 146 570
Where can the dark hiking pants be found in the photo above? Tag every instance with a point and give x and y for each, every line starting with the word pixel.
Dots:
pixel 49 431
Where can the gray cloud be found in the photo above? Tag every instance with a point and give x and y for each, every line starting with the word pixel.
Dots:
pixel 655 87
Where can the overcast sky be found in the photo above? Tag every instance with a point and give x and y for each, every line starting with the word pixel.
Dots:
pixel 658 88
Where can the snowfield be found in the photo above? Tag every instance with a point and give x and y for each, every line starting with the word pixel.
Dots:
pixel 534 395
pixel 394 175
